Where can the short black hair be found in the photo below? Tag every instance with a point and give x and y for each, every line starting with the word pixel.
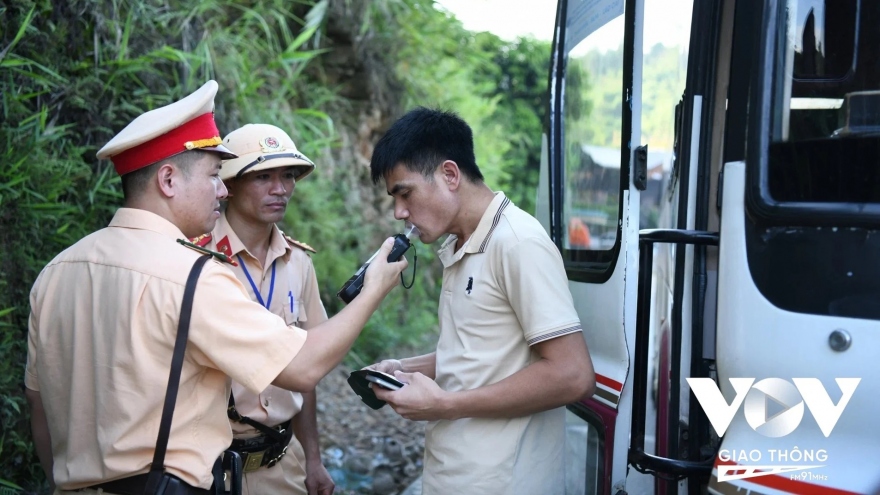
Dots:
pixel 134 183
pixel 423 139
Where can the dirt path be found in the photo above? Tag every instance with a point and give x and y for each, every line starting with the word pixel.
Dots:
pixel 367 452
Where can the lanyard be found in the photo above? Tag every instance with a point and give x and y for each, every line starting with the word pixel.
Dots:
pixel 254 286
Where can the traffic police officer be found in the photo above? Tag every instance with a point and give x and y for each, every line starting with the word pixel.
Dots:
pixel 104 315
pixel 278 273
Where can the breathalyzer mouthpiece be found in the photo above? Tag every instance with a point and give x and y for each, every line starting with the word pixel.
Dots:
pixel 410 231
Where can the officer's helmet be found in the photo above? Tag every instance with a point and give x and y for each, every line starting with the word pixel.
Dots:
pixel 260 147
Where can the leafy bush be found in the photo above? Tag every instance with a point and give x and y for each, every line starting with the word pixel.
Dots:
pixel 75 72
pixel 115 61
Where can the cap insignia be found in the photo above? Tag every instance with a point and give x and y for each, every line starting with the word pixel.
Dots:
pixel 270 144
pixel 219 256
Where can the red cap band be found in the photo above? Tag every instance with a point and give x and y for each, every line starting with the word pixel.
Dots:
pixel 168 144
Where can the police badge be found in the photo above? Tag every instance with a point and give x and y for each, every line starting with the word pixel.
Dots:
pixel 270 145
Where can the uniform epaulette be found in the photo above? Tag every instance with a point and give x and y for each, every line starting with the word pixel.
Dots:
pixel 202 240
pixel 296 243
pixel 219 256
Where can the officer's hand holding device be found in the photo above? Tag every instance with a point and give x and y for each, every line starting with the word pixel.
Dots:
pixel 360 380
pixel 401 243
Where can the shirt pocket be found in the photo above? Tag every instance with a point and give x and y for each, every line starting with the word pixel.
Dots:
pixel 293 312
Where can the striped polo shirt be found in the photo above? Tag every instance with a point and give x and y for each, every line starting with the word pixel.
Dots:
pixel 503 291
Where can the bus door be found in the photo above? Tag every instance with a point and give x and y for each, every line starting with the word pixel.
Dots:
pixel 615 165
pixel 590 205
pixel 799 266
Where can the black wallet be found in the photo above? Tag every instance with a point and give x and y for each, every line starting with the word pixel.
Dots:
pixel 360 382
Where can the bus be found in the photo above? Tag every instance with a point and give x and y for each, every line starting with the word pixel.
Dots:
pixel 711 175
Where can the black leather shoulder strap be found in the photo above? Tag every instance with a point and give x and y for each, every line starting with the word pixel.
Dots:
pixel 158 467
pixel 234 415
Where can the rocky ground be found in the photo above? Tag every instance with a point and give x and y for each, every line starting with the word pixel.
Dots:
pixel 368 452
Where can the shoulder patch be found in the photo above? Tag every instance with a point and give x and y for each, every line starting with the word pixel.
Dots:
pixel 202 240
pixel 296 243
pixel 218 256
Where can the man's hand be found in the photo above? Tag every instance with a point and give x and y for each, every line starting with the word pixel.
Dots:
pixel 421 399
pixel 425 364
pixel 318 480
pixel 386 366
pixel 305 427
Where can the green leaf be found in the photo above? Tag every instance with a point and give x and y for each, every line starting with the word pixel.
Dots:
pixel 21 30
pixel 304 36
pixel 126 33
pixel 10 484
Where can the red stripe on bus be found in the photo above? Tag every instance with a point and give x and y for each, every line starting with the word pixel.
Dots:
pixel 786 484
pixel 608 382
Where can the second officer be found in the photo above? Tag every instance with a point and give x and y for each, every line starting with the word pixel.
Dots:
pixel 274 431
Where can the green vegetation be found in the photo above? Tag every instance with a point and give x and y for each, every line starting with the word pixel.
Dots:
pixel 334 73
pixel 73 73
pixel 662 85
pixel 593 104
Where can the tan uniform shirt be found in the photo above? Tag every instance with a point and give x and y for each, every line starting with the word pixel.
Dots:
pixel 295 297
pixel 103 321
pixel 502 292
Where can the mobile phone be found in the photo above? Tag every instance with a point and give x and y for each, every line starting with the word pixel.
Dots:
pixel 385 381
pixel 360 381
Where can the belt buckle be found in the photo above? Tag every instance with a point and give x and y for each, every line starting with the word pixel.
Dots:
pixel 253 461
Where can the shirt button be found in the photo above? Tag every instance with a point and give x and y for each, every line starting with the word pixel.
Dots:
pixel 266 402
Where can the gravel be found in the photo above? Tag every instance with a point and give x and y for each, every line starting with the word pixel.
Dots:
pixel 367 451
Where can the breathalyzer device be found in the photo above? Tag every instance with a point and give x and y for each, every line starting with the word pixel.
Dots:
pixel 354 285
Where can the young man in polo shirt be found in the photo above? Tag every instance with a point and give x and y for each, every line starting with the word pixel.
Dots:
pixel 511 351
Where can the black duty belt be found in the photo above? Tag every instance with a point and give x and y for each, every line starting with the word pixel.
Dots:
pixel 263 450
pixel 134 485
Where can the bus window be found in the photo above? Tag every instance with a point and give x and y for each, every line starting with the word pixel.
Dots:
pixel 667 29
pixel 592 106
pixel 815 195
pixel 825 141
pixel 815 53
